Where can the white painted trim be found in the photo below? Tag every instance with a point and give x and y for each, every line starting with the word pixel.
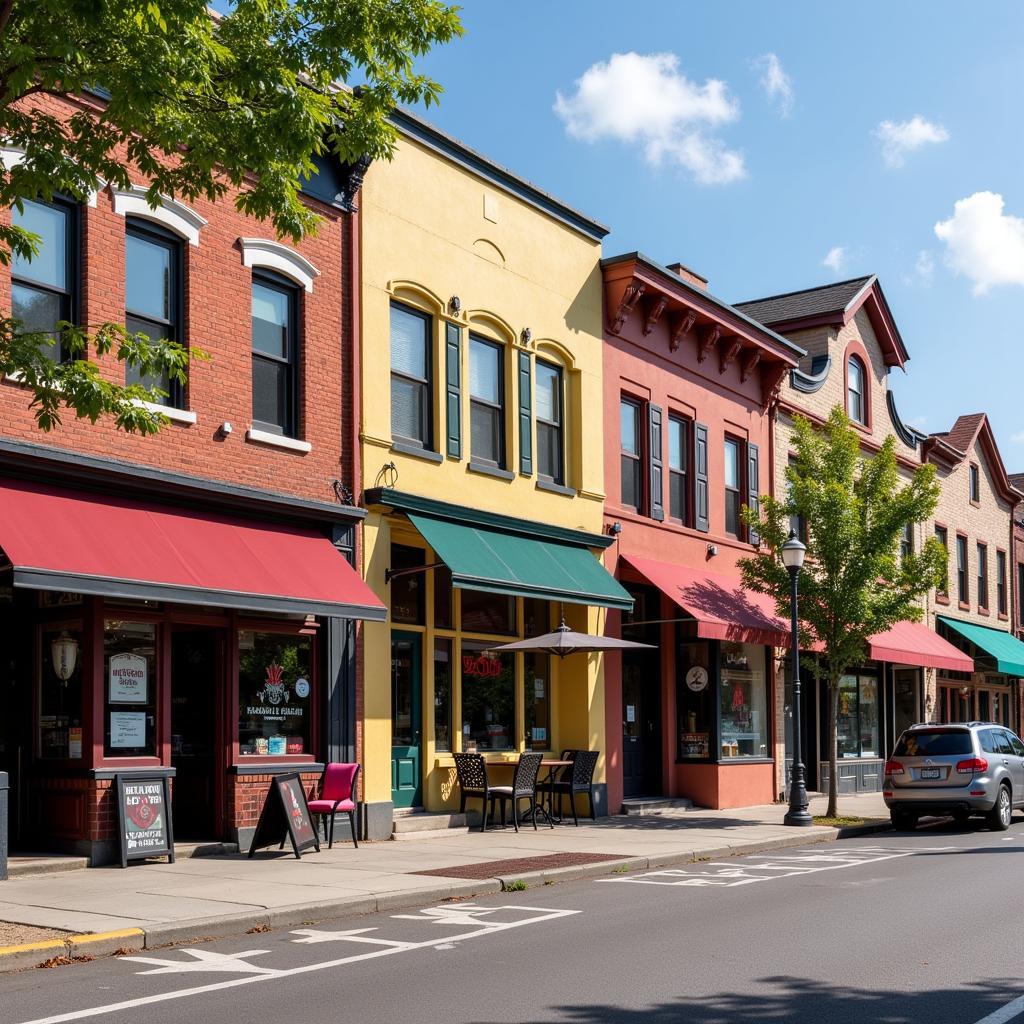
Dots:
pixel 264 252
pixel 184 416
pixel 291 444
pixel 175 216
pixel 11 156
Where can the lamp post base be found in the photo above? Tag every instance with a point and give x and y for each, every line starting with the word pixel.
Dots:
pixel 800 817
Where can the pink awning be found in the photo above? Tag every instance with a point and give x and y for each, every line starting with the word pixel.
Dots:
pixel 722 608
pixel 913 643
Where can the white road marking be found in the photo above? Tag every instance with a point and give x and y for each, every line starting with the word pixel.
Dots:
pixel 205 960
pixel 1004 1013
pixel 540 915
pixel 311 935
pixel 467 913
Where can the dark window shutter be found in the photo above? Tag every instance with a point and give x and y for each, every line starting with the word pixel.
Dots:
pixel 525 416
pixel 453 389
pixel 700 477
pixel 656 472
pixel 753 486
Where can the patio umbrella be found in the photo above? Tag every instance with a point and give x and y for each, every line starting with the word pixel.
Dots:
pixel 564 641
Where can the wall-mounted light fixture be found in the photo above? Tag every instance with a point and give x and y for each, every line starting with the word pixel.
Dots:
pixel 64 655
pixel 615 529
pixel 455 305
pixel 712 550
pixel 224 429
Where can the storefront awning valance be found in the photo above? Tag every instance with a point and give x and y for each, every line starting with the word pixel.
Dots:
pixel 1003 648
pixel 63 539
pixel 481 558
pixel 913 643
pixel 722 608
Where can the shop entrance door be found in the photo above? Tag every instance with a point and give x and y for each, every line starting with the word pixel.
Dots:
pixel 196 675
pixel 641 723
pixel 406 731
pixel 905 702
pixel 16 719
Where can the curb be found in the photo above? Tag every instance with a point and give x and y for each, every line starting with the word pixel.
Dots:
pixel 13 958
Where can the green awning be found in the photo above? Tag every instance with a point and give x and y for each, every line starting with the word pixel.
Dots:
pixel 1004 648
pixel 510 563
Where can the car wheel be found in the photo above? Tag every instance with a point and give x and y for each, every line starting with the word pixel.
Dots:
pixel 903 820
pixel 1000 816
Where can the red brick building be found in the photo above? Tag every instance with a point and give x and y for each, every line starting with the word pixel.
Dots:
pixel 183 604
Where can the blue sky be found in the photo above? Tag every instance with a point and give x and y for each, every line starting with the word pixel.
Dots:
pixel 754 186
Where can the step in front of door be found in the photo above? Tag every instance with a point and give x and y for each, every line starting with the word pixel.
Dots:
pixel 424 825
pixel 655 804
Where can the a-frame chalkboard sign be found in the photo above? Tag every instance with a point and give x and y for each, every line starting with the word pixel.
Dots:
pixel 285 815
pixel 144 817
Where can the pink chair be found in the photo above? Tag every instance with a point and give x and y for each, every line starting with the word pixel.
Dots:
pixel 338 793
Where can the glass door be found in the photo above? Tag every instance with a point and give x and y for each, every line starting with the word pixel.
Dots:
pixel 406 723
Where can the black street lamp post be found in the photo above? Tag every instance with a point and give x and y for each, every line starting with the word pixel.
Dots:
pixel 793 558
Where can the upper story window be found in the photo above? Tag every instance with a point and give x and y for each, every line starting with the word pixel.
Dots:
pixel 630 453
pixel 856 394
pixel 797 523
pixel 678 470
pixel 907 542
pixel 1020 593
pixel 942 536
pixel 550 423
pixel 983 577
pixel 487 401
pixel 1001 603
pixel 275 351
pixel 411 364
pixel 975 484
pixel 963 589
pixel 733 485
pixel 153 296
pixel 43 288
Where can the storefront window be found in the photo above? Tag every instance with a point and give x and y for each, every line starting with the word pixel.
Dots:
pixel 488 613
pixel 60 699
pixel 129 675
pixel 408 592
pixel 443 615
pixel 443 694
pixel 274 691
pixel 857 732
pixel 743 701
pixel 488 698
pixel 696 689
pixel 536 617
pixel 537 701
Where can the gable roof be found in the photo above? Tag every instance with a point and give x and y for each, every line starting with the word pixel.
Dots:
pixel 955 445
pixel 836 304
pixel 1017 481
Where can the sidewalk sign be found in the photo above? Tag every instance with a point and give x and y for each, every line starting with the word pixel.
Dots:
pixel 285 815
pixel 144 817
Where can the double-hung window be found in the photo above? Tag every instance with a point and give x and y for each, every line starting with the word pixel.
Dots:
pixel 153 297
pixel 974 478
pixel 962 586
pixel 411 365
pixel 906 541
pixel 856 400
pixel 733 485
pixel 43 288
pixel 678 470
pixel 983 577
pixel 275 355
pixel 550 424
pixel 1001 603
pixel 942 536
pixel 487 402
pixel 631 453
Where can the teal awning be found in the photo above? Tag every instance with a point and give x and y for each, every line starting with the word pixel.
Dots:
pixel 502 562
pixel 1004 648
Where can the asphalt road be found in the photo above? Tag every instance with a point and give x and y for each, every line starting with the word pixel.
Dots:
pixel 923 927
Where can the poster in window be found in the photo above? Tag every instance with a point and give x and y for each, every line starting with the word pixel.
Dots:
pixel 127 729
pixel 693 744
pixel 128 679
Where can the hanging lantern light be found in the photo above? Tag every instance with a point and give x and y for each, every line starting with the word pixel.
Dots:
pixel 64 655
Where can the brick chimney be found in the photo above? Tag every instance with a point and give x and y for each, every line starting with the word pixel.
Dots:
pixel 689 276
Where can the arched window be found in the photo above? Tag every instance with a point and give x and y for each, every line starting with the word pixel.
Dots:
pixel 856 398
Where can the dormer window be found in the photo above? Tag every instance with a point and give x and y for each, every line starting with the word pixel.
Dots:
pixel 856 400
pixel 975 485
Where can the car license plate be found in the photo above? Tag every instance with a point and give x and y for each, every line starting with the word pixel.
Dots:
pixel 930 773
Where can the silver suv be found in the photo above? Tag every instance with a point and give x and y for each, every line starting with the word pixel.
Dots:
pixel 962 769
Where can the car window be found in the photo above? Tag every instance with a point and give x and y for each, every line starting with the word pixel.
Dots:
pixel 1005 746
pixel 989 743
pixel 1018 747
pixel 932 742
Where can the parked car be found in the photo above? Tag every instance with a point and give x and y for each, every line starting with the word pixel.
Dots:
pixel 963 769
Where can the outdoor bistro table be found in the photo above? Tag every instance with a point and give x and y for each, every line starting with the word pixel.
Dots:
pixel 547 783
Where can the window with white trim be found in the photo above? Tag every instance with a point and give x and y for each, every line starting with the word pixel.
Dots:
pixel 275 351
pixel 856 395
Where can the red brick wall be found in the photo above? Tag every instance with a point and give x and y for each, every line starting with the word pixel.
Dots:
pixel 246 794
pixel 217 320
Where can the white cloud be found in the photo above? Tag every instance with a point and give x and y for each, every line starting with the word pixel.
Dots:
pixel 924 269
pixel 898 138
pixel 775 82
pixel 835 259
pixel 983 243
pixel 644 98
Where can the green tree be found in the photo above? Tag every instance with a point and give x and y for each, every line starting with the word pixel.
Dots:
pixel 854 583
pixel 243 100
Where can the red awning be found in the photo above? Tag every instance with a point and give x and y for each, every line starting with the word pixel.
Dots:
pixel 61 539
pixel 913 643
pixel 722 608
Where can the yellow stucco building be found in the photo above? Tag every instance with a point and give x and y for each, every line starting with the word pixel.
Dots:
pixel 481 364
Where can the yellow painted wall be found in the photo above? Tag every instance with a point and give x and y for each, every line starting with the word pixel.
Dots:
pixel 432 230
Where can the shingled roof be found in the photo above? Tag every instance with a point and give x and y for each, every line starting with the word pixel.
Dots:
pixel 964 431
pixel 810 302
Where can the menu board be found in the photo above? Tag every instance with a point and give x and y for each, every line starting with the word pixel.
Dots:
pixel 144 817
pixel 693 744
pixel 127 729
pixel 285 815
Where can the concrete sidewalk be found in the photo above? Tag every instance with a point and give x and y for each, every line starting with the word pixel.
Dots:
pixel 155 903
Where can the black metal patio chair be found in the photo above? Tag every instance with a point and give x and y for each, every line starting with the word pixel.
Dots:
pixel 578 779
pixel 471 770
pixel 524 787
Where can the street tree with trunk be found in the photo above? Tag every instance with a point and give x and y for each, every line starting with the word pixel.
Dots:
pixel 854 582
pixel 196 103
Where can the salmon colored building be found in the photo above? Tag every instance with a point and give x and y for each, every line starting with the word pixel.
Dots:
pixel 688 384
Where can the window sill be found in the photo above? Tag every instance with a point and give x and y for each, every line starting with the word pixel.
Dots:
pixel 416 452
pixel 259 765
pixel 983 611
pixel 942 599
pixel 271 440
pixel 1003 617
pixel 553 488
pixel 965 606
pixel 186 417
pixel 487 470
